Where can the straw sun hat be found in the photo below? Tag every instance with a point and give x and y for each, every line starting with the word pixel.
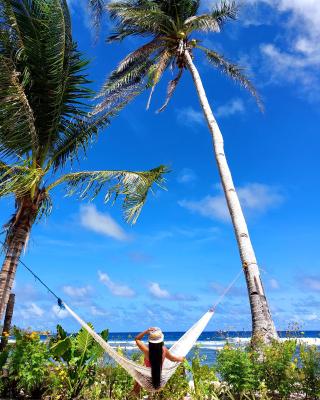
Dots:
pixel 156 336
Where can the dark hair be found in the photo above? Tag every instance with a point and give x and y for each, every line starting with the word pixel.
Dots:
pixel 156 357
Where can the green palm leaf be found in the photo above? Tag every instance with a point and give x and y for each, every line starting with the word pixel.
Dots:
pixel 132 186
pixel 97 9
pixel 18 179
pixel 144 17
pixel 17 124
pixel 233 71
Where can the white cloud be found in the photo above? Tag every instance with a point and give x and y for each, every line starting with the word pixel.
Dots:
pixel 59 312
pixel 32 310
pixel 234 106
pixel 255 198
pixel 210 206
pixel 190 117
pixel 74 291
pixel 102 223
pixel 294 56
pixel 186 175
pixel 158 292
pixel 115 288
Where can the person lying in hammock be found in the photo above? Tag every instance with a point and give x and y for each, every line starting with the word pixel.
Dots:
pixel 154 355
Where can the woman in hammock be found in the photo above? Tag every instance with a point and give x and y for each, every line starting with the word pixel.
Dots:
pixel 154 355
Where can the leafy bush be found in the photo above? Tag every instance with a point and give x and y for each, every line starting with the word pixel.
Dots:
pixel 310 371
pixel 73 367
pixel 204 376
pixel 239 368
pixel 279 367
pixel 27 364
pixel 75 363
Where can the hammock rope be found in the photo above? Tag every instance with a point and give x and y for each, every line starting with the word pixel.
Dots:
pixel 141 373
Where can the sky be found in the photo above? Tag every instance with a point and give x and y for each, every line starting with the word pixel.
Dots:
pixel 169 267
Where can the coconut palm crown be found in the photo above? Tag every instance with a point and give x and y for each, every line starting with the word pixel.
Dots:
pixel 45 123
pixel 170 26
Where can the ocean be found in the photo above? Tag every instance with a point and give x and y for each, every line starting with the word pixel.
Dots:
pixel 209 343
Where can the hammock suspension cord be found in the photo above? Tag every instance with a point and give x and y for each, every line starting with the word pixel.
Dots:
pixel 141 373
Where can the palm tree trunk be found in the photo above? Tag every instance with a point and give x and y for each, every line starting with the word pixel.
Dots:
pixel 262 324
pixel 17 237
pixel 7 322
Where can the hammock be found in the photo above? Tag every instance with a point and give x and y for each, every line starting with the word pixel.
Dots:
pixel 143 374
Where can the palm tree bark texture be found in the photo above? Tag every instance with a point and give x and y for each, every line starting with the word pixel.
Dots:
pixel 7 322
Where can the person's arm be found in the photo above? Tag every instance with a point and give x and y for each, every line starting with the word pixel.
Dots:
pixel 173 358
pixel 140 344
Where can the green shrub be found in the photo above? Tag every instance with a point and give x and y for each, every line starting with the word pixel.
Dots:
pixel 176 388
pixel 239 368
pixel 28 364
pixel 279 367
pixel 203 376
pixel 310 371
pixel 75 364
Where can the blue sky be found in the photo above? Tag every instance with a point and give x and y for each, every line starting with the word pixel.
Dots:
pixel 169 267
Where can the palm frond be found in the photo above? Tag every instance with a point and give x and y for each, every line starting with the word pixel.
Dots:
pixel 121 33
pixel 49 67
pixel 226 9
pixel 18 179
pixel 205 23
pixel 117 99
pixel 214 21
pixel 132 75
pixel 180 10
pixel 132 186
pixel 121 87
pixel 141 17
pixel 233 71
pixel 17 124
pixel 45 206
pixel 77 135
pixel 97 8
pixel 157 70
pixel 138 55
pixel 171 89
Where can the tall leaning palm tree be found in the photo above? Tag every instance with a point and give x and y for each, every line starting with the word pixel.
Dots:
pixel 45 123
pixel 169 26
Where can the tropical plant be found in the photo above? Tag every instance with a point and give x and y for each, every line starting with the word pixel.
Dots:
pixel 45 123
pixel 28 364
pixel 280 367
pixel 239 369
pixel 169 26
pixel 203 376
pixel 76 361
pixel 310 369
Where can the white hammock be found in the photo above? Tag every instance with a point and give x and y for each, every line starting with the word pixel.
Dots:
pixel 143 374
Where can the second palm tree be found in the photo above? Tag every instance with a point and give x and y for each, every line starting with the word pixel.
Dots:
pixel 171 24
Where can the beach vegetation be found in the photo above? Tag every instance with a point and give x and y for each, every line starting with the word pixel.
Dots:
pixel 68 367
